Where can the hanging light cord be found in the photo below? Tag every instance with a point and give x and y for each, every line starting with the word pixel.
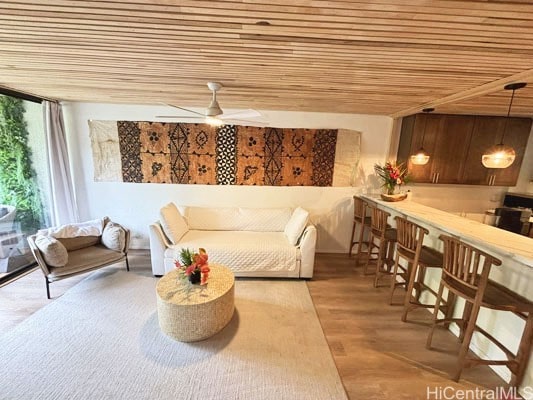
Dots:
pixel 507 119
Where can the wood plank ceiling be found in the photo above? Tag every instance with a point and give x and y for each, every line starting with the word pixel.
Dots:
pixel 390 57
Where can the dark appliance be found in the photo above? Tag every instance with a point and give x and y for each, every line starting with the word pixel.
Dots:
pixel 514 219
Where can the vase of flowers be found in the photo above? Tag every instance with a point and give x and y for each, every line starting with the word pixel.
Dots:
pixel 193 266
pixel 393 176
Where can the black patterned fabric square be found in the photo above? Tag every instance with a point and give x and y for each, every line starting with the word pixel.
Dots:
pixel 130 149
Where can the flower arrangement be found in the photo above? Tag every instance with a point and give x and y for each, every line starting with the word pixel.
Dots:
pixel 193 265
pixel 392 175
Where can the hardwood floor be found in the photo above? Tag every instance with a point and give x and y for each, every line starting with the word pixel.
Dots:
pixel 377 355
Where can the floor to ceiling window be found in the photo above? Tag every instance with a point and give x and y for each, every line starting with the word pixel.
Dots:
pixel 24 182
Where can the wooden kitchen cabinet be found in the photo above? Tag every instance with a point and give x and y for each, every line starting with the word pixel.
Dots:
pixel 446 140
pixel 456 143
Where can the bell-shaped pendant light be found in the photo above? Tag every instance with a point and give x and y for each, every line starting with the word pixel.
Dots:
pixel 421 157
pixel 500 155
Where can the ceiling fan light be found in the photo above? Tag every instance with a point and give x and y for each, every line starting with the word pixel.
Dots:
pixel 420 157
pixel 214 121
pixel 498 156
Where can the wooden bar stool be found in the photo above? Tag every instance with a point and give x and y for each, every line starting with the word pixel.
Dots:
pixel 359 218
pixel 466 273
pixel 385 236
pixel 410 247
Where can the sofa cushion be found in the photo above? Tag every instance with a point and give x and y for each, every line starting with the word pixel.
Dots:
pixel 296 225
pixel 53 252
pixel 79 242
pixel 114 237
pixel 173 223
pixel 237 218
pixel 242 251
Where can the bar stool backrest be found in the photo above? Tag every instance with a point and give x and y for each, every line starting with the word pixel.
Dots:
pixel 359 209
pixel 379 221
pixel 410 237
pixel 467 265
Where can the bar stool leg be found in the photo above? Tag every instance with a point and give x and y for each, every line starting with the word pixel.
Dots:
pixel 351 239
pixel 467 312
pixel 435 315
pixel 380 262
pixel 524 352
pixel 466 341
pixel 394 273
pixel 360 244
pixel 410 287
pixel 371 246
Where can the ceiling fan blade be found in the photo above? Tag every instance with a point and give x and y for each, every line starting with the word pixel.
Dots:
pixel 186 109
pixel 248 121
pixel 179 116
pixel 241 114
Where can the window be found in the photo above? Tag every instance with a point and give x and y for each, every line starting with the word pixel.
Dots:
pixel 24 182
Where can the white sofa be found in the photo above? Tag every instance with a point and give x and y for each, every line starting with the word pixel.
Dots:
pixel 253 242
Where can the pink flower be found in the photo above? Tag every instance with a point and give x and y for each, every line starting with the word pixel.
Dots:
pixel 201 258
pixel 205 274
pixel 190 269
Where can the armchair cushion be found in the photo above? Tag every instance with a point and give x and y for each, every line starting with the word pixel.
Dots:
pixel 296 225
pixel 53 252
pixel 84 260
pixel 79 242
pixel 173 223
pixel 114 237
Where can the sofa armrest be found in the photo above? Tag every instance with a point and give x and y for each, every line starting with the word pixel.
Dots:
pixel 307 250
pixel 158 244
pixel 37 255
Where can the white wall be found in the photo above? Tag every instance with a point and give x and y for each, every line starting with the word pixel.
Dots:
pixel 136 205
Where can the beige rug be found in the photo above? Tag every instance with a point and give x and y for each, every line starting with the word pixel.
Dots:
pixel 101 340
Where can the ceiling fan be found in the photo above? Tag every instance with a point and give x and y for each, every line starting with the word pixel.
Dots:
pixel 214 115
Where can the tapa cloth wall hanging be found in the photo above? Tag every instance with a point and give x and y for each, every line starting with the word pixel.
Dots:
pixel 185 153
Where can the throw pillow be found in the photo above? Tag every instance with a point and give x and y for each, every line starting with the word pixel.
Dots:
pixel 53 252
pixel 173 223
pixel 114 237
pixel 296 225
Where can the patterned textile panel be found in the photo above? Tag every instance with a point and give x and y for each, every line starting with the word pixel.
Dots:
pixel 237 219
pixel 156 152
pixel 242 251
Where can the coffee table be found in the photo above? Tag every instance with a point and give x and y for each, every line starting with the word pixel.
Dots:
pixel 189 313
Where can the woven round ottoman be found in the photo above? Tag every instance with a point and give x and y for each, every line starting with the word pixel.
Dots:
pixel 188 312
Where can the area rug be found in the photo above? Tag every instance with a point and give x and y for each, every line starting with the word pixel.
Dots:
pixel 101 340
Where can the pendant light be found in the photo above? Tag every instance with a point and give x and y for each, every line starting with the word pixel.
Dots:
pixel 500 155
pixel 421 157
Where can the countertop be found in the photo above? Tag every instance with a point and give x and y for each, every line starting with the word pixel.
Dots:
pixel 496 241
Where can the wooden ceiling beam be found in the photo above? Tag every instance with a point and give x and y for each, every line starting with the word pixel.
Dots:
pixel 478 91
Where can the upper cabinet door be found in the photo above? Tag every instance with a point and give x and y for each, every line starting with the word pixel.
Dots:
pixel 424 132
pixel 487 132
pixel 517 135
pixel 451 147
pixel 444 137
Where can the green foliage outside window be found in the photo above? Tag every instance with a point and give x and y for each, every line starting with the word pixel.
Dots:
pixel 18 185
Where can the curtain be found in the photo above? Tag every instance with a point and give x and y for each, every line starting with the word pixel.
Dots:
pixel 63 209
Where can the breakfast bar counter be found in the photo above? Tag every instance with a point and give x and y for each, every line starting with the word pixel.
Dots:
pixel 500 243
